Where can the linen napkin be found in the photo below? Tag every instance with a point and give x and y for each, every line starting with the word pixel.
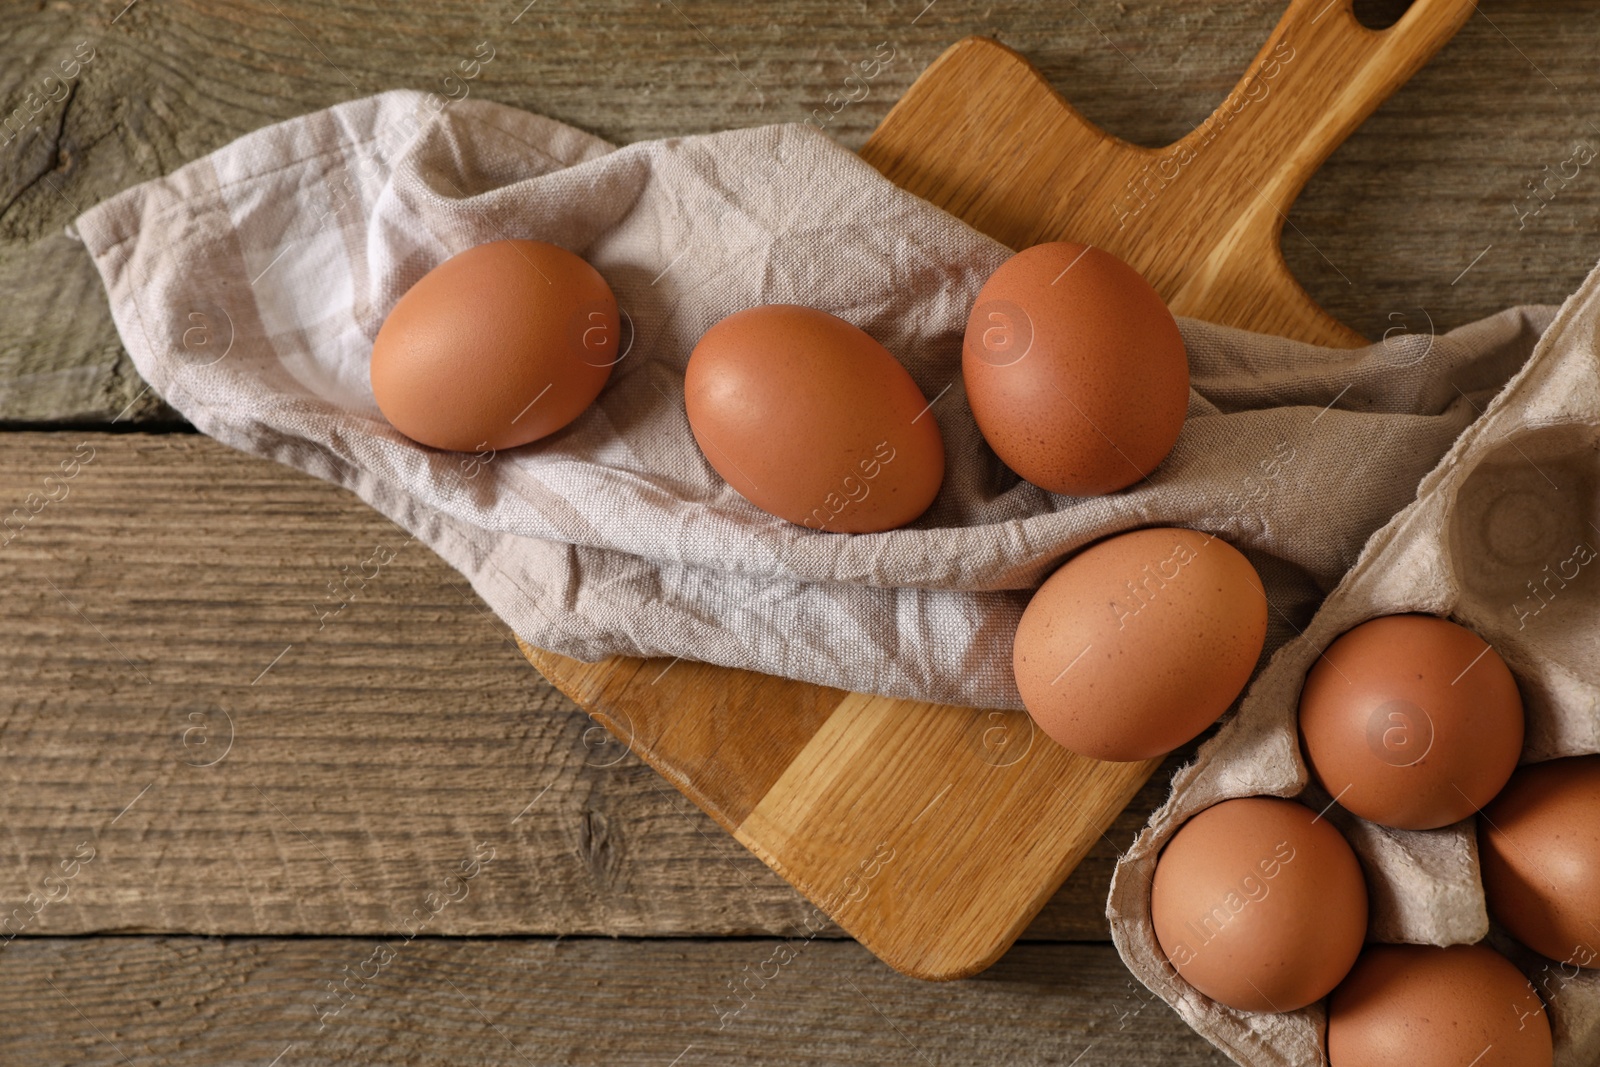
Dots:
pixel 248 287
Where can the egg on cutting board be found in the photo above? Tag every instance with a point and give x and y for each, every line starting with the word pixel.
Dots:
pixel 1075 370
pixel 1139 642
pixel 812 420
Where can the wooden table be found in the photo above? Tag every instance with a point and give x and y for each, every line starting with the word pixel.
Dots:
pixel 275 803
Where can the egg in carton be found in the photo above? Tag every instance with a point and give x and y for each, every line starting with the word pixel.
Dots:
pixel 1503 539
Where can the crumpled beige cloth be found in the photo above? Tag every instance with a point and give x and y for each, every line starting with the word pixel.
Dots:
pixel 248 287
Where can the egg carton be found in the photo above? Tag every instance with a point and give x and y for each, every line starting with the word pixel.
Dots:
pixel 1503 538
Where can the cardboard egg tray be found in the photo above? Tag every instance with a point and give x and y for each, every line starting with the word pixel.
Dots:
pixel 1503 539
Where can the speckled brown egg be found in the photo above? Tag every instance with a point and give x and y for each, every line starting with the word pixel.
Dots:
pixel 1259 904
pixel 811 420
pixel 1539 849
pixel 495 347
pixel 1075 370
pixel 1421 1006
pixel 1411 721
pixel 1138 643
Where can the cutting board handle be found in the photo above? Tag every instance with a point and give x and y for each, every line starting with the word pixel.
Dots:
pixel 1319 75
pixel 983 135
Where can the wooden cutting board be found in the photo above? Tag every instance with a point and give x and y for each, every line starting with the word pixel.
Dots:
pixel 934 834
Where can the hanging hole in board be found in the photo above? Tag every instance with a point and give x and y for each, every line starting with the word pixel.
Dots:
pixel 1379 14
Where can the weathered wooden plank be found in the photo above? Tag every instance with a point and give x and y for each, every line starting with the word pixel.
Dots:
pixel 172 586
pixel 1437 176
pixel 176 1001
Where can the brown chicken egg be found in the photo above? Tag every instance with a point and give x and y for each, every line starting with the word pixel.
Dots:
pixel 813 421
pixel 495 347
pixel 1539 850
pixel 1260 904
pixel 1411 721
pixel 1075 370
pixel 1421 1006
pixel 1138 643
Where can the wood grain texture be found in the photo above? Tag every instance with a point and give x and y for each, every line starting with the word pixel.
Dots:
pixel 365 761
pixel 932 834
pixel 934 851
pixel 983 135
pixel 1380 238
pixel 180 1001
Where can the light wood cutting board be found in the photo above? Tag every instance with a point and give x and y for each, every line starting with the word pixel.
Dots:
pixel 934 834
